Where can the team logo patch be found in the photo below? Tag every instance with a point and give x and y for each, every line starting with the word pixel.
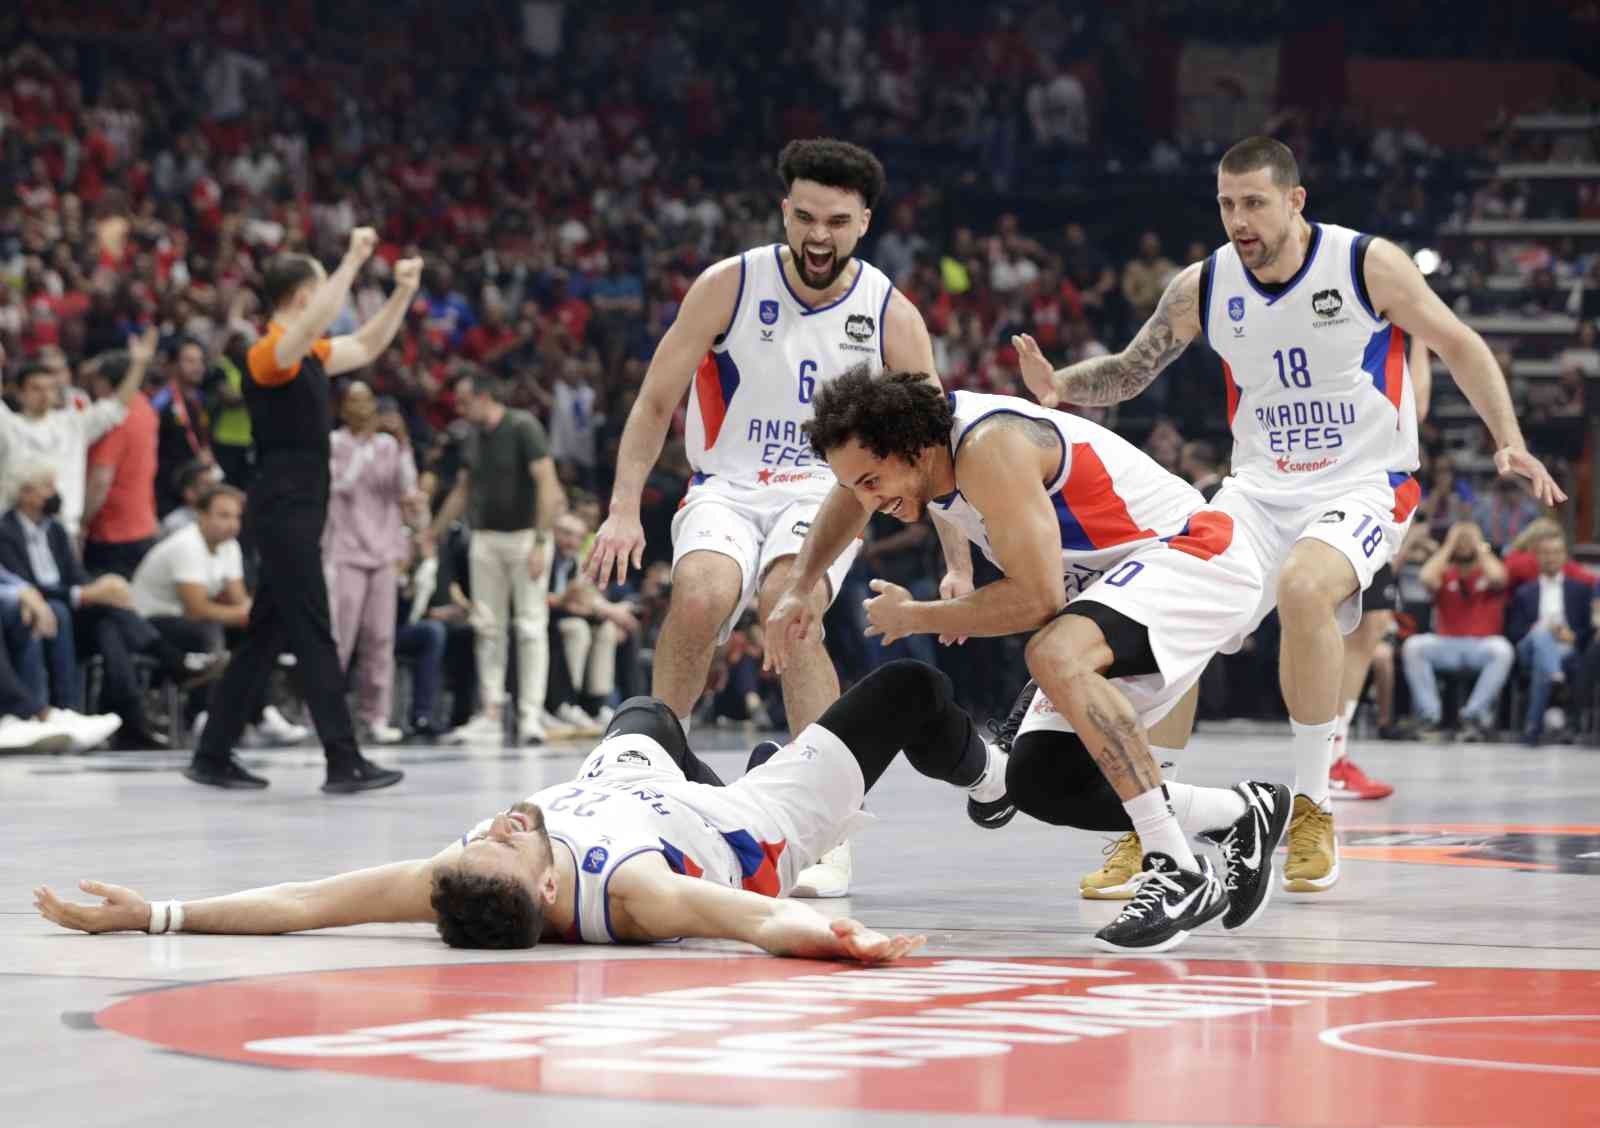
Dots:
pixel 1236 309
pixel 633 756
pixel 1331 517
pixel 769 312
pixel 859 327
pixel 595 860
pixel 801 528
pixel 1326 303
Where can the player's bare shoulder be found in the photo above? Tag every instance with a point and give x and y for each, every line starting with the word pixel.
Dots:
pixel 998 448
pixel 709 304
pixel 907 347
pixel 1179 307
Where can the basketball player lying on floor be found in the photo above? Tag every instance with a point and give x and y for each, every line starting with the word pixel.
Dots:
pixel 645 843
pixel 1158 583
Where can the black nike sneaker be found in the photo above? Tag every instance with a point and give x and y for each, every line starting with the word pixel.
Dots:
pixel 1170 904
pixel 996 813
pixel 1247 848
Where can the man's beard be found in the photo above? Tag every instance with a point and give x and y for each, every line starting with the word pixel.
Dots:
pixel 803 268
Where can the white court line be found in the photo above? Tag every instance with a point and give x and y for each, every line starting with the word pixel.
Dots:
pixel 1335 1037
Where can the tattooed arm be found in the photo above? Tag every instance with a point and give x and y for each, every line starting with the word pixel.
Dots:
pixel 1120 376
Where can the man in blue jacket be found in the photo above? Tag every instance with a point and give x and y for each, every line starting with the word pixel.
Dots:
pixel 1551 621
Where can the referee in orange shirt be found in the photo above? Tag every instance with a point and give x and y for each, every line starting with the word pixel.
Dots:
pixel 286 390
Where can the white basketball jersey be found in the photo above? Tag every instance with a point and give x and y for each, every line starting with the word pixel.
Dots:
pixel 1109 496
pixel 628 799
pixel 753 391
pixel 1319 391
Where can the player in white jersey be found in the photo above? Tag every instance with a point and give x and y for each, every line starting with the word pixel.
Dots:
pixel 1310 321
pixel 1074 515
pixel 757 335
pixel 645 843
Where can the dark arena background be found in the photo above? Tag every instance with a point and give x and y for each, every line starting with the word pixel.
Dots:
pixel 565 172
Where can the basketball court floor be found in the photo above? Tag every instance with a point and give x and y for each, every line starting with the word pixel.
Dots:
pixel 1451 978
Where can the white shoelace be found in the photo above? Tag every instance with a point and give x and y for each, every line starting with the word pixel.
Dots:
pixel 1152 884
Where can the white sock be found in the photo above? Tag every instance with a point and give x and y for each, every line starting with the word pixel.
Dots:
pixel 1204 808
pixel 1313 756
pixel 1158 829
pixel 991 785
pixel 1350 708
pixel 685 721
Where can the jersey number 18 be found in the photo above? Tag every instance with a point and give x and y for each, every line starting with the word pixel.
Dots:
pixel 1297 370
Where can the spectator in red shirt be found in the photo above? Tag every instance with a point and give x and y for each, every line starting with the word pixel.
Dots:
pixel 1469 586
pixel 1522 562
pixel 491 338
pixel 119 511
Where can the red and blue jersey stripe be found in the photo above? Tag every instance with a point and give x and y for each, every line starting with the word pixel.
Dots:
pixel 1089 511
pixel 715 382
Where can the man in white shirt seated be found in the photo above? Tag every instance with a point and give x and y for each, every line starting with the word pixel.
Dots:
pixel 191 588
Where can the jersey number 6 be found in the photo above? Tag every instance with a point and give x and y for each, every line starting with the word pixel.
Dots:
pixel 808 380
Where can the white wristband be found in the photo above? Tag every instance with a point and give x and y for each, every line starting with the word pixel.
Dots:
pixel 171 917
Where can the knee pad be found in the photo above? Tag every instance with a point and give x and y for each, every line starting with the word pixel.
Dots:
pixel 911 682
pixel 652 717
pixel 1052 777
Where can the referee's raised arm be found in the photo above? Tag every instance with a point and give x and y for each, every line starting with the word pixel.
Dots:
pixel 307 325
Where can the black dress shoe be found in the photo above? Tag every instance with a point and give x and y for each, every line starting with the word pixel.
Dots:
pixel 227 773
pixel 363 775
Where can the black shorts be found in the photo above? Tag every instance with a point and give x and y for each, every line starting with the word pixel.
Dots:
pixel 1129 640
pixel 1383 593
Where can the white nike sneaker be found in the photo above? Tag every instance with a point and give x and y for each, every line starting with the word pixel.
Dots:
pixel 24 734
pixel 830 877
pixel 87 732
pixel 557 729
pixel 579 720
pixel 481 729
pixel 278 729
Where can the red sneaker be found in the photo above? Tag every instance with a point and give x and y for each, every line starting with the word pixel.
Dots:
pixel 1346 781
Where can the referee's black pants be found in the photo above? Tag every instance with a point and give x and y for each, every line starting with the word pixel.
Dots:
pixel 290 612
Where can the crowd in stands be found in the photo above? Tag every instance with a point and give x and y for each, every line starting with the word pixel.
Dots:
pixel 152 161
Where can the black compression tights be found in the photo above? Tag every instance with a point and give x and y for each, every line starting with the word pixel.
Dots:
pixel 655 719
pixel 900 705
pixel 909 706
pixel 1052 777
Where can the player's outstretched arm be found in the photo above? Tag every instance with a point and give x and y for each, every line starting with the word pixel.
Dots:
pixel 398 892
pixel 1401 294
pixel 707 310
pixel 1120 376
pixel 658 904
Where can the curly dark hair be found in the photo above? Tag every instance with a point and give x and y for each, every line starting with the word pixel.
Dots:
pixel 479 910
pixel 835 164
pixel 891 413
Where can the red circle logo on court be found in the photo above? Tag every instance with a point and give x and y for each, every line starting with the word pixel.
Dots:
pixel 1194 1041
